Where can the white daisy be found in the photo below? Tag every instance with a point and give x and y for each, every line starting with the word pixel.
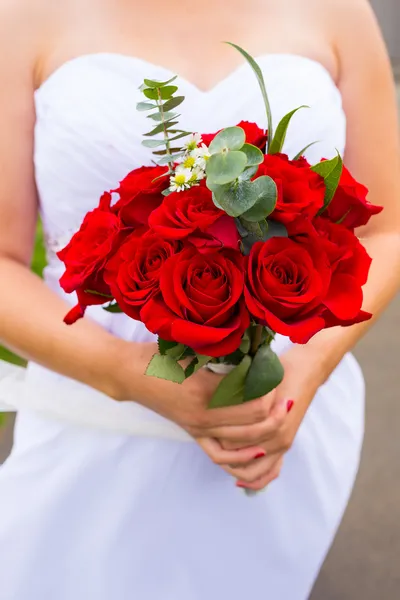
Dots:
pixel 181 179
pixel 197 174
pixel 201 156
pixel 193 142
pixel 188 161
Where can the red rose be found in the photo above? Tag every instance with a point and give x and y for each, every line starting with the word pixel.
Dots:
pixel 86 255
pixel 254 135
pixel 350 206
pixel 133 274
pixel 140 193
pixel 201 303
pixel 301 192
pixel 350 265
pixel 287 282
pixel 192 214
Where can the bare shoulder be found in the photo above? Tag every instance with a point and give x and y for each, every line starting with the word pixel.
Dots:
pixel 355 30
pixel 26 27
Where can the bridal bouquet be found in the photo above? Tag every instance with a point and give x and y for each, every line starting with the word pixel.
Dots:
pixel 222 243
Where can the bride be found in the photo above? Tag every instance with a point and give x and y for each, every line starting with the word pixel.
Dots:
pixel 122 486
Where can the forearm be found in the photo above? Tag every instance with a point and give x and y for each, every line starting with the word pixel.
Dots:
pixel 31 324
pixel 328 347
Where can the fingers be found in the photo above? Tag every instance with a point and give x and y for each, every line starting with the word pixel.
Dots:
pixel 264 480
pixel 255 470
pixel 252 434
pixel 223 457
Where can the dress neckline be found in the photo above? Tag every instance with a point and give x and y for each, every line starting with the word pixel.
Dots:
pixel 150 66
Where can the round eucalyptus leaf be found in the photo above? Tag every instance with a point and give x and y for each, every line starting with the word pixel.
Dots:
pixel 231 138
pixel 225 167
pixel 254 155
pixel 265 193
pixel 153 83
pixel 235 198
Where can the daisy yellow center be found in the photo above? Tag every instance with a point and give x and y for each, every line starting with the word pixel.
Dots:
pixel 180 179
pixel 189 162
pixel 192 146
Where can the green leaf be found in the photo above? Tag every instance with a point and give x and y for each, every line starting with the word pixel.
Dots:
pixel 331 171
pixel 153 83
pixel 153 143
pixel 267 194
pixel 173 103
pixel 170 158
pixel 165 367
pixel 94 293
pixel 248 173
pixel 164 93
pixel 261 83
pixel 225 167
pixel 178 137
pixel 112 308
pixel 164 346
pixel 254 155
pixel 265 374
pixel 251 233
pixel 230 391
pixel 275 229
pixel 197 363
pixel 304 150
pixel 239 197
pixel 278 140
pixel 168 116
pixel 245 343
pixel 230 138
pixel 160 128
pixel 177 351
pixel 145 106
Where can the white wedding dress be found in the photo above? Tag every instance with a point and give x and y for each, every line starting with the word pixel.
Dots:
pixel 108 501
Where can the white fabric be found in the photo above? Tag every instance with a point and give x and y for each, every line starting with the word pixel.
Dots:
pixel 103 500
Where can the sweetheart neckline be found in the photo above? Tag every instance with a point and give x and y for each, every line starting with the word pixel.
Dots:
pixel 234 73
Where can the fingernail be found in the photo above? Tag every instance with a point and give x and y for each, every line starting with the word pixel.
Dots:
pixel 260 455
pixel 240 484
pixel 289 405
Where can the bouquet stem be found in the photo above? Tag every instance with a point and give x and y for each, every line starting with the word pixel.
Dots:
pixel 256 339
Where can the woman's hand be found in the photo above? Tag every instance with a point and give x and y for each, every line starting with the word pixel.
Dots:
pixel 186 404
pixel 275 435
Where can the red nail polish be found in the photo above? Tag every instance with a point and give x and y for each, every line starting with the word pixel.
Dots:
pixel 289 405
pixel 240 484
pixel 260 455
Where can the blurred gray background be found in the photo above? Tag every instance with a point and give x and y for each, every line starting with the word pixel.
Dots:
pixel 364 562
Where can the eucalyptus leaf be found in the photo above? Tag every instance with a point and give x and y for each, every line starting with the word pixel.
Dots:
pixel 167 116
pixel 254 155
pixel 165 367
pixel 169 158
pixel 331 171
pixel 153 83
pixel 163 93
pixel 261 83
pixel 153 143
pixel 141 106
pixel 178 137
pixel 267 194
pixel 230 391
pixel 304 150
pixel 248 173
pixel 238 198
pixel 225 167
pixel 278 140
pixel 265 374
pixel 173 103
pixel 231 138
pixel 197 363
pixel 160 128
